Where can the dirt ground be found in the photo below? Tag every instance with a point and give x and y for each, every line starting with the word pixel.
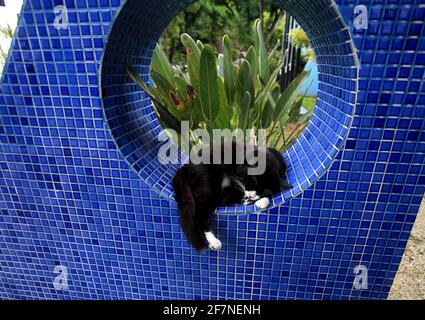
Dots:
pixel 409 283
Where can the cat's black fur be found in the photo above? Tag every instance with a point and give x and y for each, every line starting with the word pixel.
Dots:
pixel 199 191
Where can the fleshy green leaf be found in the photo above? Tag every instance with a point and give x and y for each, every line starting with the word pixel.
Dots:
pixel 289 97
pixel 245 81
pixel 295 110
pixel 134 75
pixel 208 85
pixel 269 85
pixel 196 115
pixel 245 109
pixel 161 64
pixel 200 45
pixel 167 92
pixel 193 60
pixel 181 86
pixel 272 53
pixel 229 71
pixel 268 111
pixel 167 119
pixel 260 101
pixel 189 43
pixel 263 62
pixel 251 56
pixel 223 119
pixel 234 120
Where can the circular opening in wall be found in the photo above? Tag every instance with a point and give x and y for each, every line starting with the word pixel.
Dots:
pixel 135 127
pixel 271 59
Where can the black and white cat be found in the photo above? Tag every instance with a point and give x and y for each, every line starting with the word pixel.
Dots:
pixel 201 188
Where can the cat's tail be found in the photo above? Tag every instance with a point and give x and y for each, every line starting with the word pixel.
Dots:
pixel 187 209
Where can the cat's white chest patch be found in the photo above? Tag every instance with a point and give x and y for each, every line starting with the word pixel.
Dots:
pixel 225 182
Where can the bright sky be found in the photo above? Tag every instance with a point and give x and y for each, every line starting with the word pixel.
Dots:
pixel 9 15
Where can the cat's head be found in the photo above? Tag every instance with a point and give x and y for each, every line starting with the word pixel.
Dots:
pixel 271 179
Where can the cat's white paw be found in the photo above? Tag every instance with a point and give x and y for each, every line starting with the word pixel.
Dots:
pixel 263 203
pixel 215 245
pixel 213 242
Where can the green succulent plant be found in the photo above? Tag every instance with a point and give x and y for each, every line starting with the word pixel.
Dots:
pixel 214 92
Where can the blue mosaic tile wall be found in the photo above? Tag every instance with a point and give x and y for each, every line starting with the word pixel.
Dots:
pixel 133 122
pixel 80 187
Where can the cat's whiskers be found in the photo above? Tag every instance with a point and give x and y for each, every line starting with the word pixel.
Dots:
pixel 239 184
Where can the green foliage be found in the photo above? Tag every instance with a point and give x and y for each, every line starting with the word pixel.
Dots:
pixel 229 71
pixel 208 20
pixel 6 33
pixel 261 51
pixel 309 55
pixel 208 86
pixel 217 92
pixel 309 103
pixel 299 38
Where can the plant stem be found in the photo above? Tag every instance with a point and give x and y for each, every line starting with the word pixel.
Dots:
pixel 271 132
pixel 282 134
pixel 293 132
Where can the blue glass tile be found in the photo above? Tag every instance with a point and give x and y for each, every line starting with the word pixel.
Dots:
pixel 81 186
